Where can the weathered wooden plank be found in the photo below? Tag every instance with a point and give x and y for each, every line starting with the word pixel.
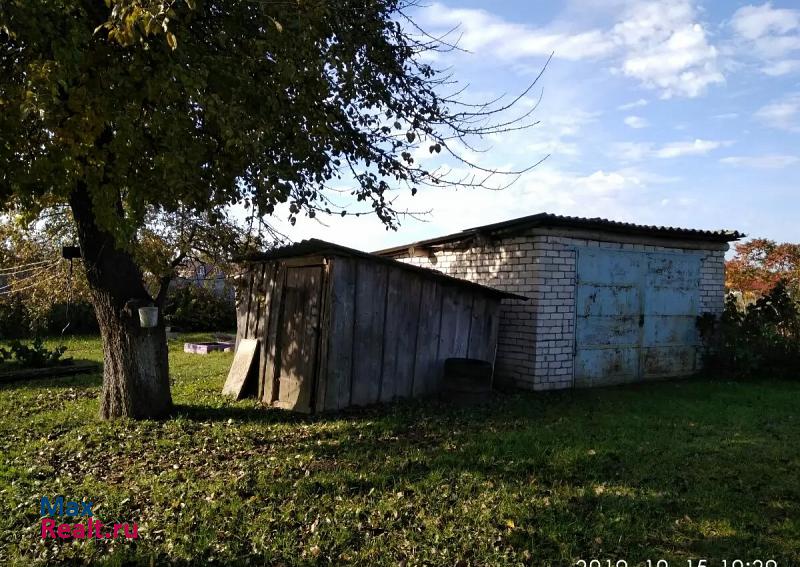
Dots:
pixel 456 315
pixel 494 326
pixel 427 365
pixel 254 311
pixel 267 287
pixel 321 373
pixel 241 369
pixel 342 321
pixel 298 337
pixel 370 310
pixel 400 334
pixel 480 329
pixel 269 378
pixel 243 305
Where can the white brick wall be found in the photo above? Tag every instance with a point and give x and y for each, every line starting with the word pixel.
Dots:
pixel 536 338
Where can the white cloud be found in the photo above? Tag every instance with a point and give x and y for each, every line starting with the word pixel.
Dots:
pixel 554 148
pixel 697 147
pixel 784 67
pixel 482 32
pixel 636 122
pixel 783 113
pixel 631 151
pixel 601 182
pixel 660 43
pixel 569 123
pixel 666 48
pixel 638 151
pixel 770 35
pixel 559 134
pixel 756 22
pixel 761 162
pixel 635 104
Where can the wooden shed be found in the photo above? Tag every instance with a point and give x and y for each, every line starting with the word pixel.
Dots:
pixel 338 327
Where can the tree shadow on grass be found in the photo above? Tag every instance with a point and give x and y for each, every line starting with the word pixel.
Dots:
pixel 91 377
pixel 265 414
pixel 239 414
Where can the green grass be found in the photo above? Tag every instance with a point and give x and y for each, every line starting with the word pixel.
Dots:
pixel 672 470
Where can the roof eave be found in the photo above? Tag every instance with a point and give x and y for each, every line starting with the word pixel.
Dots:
pixel 721 236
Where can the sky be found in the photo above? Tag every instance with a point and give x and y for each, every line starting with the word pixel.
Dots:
pixel 668 112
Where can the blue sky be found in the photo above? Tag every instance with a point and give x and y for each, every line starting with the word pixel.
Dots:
pixel 669 112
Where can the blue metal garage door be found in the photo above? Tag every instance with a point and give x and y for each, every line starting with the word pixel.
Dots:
pixel 635 316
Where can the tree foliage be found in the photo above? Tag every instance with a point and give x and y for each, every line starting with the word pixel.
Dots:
pixel 759 264
pixel 197 106
pixel 39 289
pixel 33 277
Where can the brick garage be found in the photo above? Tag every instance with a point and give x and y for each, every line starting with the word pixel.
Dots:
pixel 610 302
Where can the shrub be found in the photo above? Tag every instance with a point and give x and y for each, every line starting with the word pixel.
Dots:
pixel 79 315
pixel 17 321
pixel 194 308
pixel 761 338
pixel 35 355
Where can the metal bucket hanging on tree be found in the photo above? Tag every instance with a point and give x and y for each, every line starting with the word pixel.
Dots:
pixel 148 317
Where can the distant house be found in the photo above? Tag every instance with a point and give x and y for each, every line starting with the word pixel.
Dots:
pixel 209 276
pixel 610 302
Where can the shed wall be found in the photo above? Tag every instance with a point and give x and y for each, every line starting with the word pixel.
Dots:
pixel 391 331
pixel 256 292
pixel 537 338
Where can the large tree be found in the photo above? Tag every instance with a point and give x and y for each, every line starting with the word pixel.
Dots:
pixel 133 108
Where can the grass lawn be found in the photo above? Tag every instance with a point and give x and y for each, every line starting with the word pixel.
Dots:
pixel 673 470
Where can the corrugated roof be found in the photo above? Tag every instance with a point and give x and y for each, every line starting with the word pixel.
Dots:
pixel 547 220
pixel 316 247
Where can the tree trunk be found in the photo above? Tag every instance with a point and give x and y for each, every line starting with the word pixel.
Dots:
pixel 136 369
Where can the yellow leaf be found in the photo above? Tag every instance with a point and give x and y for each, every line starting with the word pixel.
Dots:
pixel 278 25
pixel 510 524
pixel 172 41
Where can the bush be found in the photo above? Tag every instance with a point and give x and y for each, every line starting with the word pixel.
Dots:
pixel 194 308
pixel 17 322
pixel 188 307
pixel 80 316
pixel 762 338
pixel 35 355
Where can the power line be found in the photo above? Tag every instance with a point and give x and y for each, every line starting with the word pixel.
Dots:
pixel 10 291
pixel 22 268
pixel 27 278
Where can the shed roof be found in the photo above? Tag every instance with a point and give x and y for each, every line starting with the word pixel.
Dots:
pixel 549 220
pixel 316 247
